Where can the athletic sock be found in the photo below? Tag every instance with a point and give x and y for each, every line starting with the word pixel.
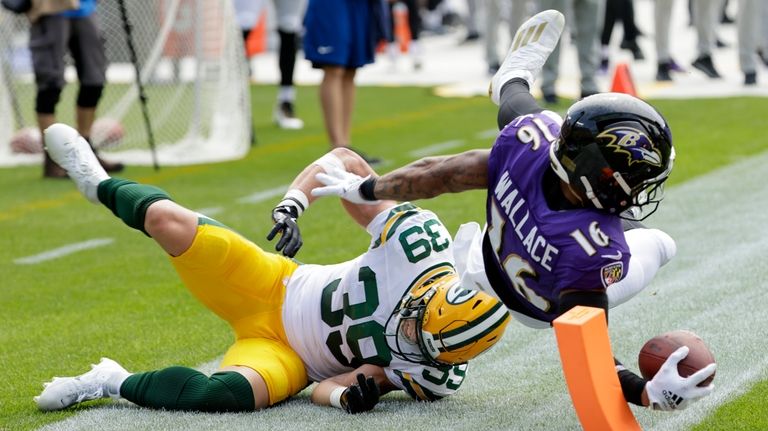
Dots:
pixel 129 200
pixel 181 388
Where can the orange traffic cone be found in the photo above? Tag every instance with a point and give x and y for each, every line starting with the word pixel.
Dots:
pixel 402 31
pixel 622 80
pixel 256 43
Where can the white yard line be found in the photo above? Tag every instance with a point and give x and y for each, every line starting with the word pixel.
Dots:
pixel 210 211
pixel 436 148
pixel 263 195
pixel 487 134
pixel 63 251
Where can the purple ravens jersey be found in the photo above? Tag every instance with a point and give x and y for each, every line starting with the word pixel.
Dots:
pixel 532 253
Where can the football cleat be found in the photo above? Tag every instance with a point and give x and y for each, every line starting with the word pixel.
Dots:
pixel 73 153
pixel 285 117
pixel 102 381
pixel 533 43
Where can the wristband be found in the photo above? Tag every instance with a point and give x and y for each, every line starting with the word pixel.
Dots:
pixel 366 189
pixel 632 385
pixel 295 198
pixel 336 397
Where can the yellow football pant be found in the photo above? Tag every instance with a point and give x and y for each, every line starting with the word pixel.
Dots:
pixel 245 286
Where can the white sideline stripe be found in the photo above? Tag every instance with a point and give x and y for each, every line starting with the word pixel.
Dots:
pixel 436 148
pixel 210 211
pixel 63 251
pixel 487 134
pixel 264 195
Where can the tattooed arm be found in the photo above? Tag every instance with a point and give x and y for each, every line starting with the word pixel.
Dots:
pixel 433 176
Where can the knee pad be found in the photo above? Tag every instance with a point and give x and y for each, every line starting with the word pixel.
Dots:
pixel 222 392
pixel 46 100
pixel 89 95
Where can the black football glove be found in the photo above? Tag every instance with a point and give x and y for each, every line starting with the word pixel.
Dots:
pixel 285 217
pixel 362 396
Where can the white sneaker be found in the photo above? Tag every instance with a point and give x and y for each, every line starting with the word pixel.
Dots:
pixel 72 152
pixel 103 381
pixel 533 43
pixel 286 118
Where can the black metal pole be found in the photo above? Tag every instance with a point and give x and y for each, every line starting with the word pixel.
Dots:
pixel 142 96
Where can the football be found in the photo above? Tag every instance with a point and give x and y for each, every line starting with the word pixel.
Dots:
pixel 106 133
pixel 27 141
pixel 657 349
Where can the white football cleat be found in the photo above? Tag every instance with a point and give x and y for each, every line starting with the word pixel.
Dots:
pixel 103 381
pixel 533 43
pixel 285 117
pixel 73 153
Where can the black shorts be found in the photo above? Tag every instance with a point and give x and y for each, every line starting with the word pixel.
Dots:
pixel 49 39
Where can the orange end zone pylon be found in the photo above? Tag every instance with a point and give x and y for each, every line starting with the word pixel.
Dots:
pixel 256 43
pixel 622 80
pixel 585 351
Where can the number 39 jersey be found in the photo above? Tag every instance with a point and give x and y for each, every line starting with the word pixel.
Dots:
pixel 532 253
pixel 336 316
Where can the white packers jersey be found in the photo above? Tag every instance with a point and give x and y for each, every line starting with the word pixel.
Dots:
pixel 336 316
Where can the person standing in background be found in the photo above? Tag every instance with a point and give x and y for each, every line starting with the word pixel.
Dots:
pixel 58 26
pixel 340 37
pixel 587 19
pixel 662 16
pixel 748 30
pixel 288 15
pixel 706 14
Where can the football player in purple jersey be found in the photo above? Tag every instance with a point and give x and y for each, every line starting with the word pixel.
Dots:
pixel 561 194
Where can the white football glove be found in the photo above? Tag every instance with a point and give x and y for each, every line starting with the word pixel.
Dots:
pixel 669 391
pixel 341 183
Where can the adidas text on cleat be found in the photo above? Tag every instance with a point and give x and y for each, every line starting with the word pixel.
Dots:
pixel 533 43
pixel 102 381
pixel 73 153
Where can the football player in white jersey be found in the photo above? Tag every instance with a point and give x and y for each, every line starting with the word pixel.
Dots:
pixel 394 318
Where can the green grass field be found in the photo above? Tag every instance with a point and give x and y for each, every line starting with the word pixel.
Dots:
pixel 123 300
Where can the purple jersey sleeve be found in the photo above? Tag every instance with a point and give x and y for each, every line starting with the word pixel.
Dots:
pixel 532 253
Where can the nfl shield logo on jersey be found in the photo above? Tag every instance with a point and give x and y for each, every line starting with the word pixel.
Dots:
pixel 612 273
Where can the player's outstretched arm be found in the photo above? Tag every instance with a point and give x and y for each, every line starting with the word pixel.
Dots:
pixel 354 392
pixel 667 390
pixel 299 197
pixel 424 178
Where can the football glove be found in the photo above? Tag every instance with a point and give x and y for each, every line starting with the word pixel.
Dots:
pixel 343 184
pixel 361 396
pixel 285 217
pixel 669 391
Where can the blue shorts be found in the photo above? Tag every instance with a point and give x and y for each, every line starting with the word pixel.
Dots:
pixel 339 33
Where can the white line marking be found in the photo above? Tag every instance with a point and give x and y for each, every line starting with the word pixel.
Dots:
pixel 264 195
pixel 63 251
pixel 210 211
pixel 436 149
pixel 487 134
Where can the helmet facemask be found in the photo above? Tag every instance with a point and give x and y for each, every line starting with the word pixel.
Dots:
pixel 441 324
pixel 616 151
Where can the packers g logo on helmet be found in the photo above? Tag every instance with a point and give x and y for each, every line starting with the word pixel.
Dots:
pixel 449 324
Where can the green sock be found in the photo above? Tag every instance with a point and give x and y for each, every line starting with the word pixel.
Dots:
pixel 181 388
pixel 129 200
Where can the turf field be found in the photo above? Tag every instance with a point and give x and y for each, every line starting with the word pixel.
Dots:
pixel 118 296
